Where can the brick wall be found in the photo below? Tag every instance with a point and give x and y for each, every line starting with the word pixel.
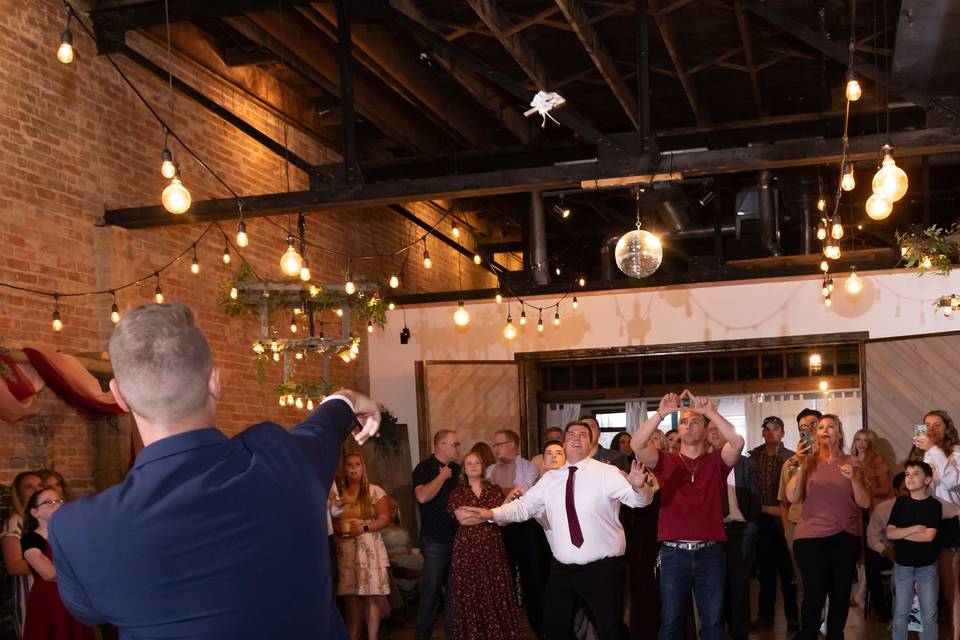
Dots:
pixel 75 141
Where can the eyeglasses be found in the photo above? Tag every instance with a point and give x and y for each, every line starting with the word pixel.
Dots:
pixel 500 444
pixel 40 504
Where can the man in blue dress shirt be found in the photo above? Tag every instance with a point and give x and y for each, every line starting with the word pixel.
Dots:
pixel 207 536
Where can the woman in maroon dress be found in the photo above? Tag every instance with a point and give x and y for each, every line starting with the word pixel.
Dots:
pixel 485 604
pixel 47 618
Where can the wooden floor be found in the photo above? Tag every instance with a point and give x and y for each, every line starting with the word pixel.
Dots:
pixel 401 624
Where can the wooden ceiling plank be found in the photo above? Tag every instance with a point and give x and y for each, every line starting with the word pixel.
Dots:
pixel 577 16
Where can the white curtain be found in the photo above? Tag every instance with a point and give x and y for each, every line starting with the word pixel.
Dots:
pixel 636 414
pixel 558 415
pixel 786 406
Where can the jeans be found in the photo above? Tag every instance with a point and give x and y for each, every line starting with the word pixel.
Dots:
pixel 704 571
pixel 436 575
pixel 828 566
pixel 928 587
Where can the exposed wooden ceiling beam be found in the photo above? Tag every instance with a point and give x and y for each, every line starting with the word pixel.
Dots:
pixel 390 53
pixel 500 25
pixel 717 62
pixel 743 26
pixel 575 14
pixel 292 35
pixel 513 121
pixel 669 42
pixel 795 153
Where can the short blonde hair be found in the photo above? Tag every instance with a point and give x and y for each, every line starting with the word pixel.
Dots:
pixel 161 361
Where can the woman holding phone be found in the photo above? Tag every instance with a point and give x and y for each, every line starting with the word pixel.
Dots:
pixel 938 438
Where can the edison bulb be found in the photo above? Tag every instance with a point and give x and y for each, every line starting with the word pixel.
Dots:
pixel 847 181
pixel 115 314
pixel 499 298
pixel 523 318
pixel 878 207
pixel 821 205
pixel 575 303
pixel 391 306
pixel 195 266
pixel 890 181
pixel 158 296
pixel 394 281
pixel 233 293
pixel 349 288
pixel 291 261
pixel 638 253
pixel 476 259
pixel 540 325
pixel 369 326
pixel 824 266
pixel 175 198
pixel 427 262
pixel 582 281
pixel 509 331
pixel 461 317
pixel 167 169
pixel 853 90
pixel 556 319
pixel 821 233
pixel 226 255
pixel 836 231
pixel 65 53
pixel 242 239
pixel 853 285
pixel 305 273
pixel 57 324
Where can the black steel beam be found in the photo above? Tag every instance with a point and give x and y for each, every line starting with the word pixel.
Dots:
pixel 219 111
pixel 491 266
pixel 345 53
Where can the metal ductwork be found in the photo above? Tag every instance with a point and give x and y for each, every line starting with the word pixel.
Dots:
pixel 539 263
pixel 674 215
pixel 766 207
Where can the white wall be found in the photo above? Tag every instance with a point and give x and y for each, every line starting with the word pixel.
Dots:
pixel 893 303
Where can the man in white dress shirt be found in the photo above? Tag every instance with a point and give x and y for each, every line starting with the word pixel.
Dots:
pixel 581 500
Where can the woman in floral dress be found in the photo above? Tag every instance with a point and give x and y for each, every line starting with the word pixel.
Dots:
pixel 362 561
pixel 484 601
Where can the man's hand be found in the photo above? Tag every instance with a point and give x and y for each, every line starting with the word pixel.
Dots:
pixel 639 476
pixel 670 403
pixel 367 412
pixel 445 472
pixel 700 404
pixel 514 493
pixel 473 515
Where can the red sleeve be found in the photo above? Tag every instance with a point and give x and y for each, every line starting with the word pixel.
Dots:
pixel 660 469
pixel 456 500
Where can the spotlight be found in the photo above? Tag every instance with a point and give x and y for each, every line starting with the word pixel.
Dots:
pixel 404 335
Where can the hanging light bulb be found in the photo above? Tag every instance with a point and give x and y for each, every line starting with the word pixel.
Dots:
pixel 878 207
pixel 242 239
pixel 309 404
pixel 816 362
pixel 299 403
pixel 476 259
pixel 540 321
pixel 167 169
pixel 114 310
pixel 523 317
pixel 226 252
pixel 575 303
pixel 233 293
pixel 509 331
pixel 345 355
pixel 293 324
pixel 582 281
pixel 821 204
pixel 369 326
pixel 391 306
pixel 57 324
pixel 836 231
pixel 394 281
pixel 853 285
pixel 824 266
pixel 827 301
pixel 926 263
pixel 349 288
pixel 499 298
pixel 427 262
pixel 339 312
pixel 557 271
pixel 291 261
pixel 847 182
pixel 830 285
pixel 158 292
pixel 825 290
pixel 461 317
pixel 563 209
pixel 853 91
pixel 821 233
pixel 456 229
pixel 890 181
pixel 65 52
pixel 305 272
pixel 175 198
pixel 556 318
pixel 824 385
pixel 195 263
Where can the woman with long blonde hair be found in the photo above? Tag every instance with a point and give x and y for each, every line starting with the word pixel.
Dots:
pixel 875 471
pixel 362 560
pixel 827 538
pixel 941 444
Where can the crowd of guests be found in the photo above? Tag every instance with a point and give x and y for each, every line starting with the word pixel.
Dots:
pixel 38 612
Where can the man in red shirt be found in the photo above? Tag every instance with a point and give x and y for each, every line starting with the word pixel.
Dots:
pixel 691 531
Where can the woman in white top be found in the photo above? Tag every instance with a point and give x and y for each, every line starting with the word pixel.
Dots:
pixel 941 444
pixel 24 485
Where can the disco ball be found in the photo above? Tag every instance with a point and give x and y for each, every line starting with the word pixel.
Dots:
pixel 639 253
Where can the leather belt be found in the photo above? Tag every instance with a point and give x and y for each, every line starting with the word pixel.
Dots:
pixel 689 546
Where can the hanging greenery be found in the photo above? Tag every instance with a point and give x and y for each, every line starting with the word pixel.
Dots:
pixel 933 249
pixel 317 390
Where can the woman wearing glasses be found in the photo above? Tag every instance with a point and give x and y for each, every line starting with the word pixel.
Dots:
pixel 47 618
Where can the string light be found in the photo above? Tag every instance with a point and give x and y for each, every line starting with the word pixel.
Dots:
pixel 456 229
pixel 556 317
pixel 461 317
pixel 847 182
pixel 499 298
pixel 293 324
pixel 195 264
pixel 114 309
pixel 391 306
pixel 853 90
pixel 476 259
pixel 878 207
pixel 291 261
pixel 175 198
pixel 349 287
pixel 816 362
pixel 575 303
pixel 836 231
pixel 509 331
pixel 821 204
pixel 523 317
pixel 582 281
pixel 853 285
pixel 369 326
pixel 242 239
pixel 65 53
pixel 822 232
pixel 830 284
pixel 305 272
pixel 158 292
pixel 427 262
pixel 226 251
pixel 890 181
pixel 57 324
pixel 167 168
pixel 233 293
pixel 827 301
pixel 540 320
pixel 394 281
pixel 824 266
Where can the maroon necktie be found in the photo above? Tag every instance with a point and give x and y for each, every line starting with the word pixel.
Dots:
pixel 576 535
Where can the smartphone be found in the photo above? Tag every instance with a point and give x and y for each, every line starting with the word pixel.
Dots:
pixel 685 402
pixel 806 438
pixel 918 429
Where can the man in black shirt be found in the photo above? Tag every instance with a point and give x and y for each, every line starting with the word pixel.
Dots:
pixel 912 528
pixel 433 480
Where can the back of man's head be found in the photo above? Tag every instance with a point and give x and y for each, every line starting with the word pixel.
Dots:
pixel 161 362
